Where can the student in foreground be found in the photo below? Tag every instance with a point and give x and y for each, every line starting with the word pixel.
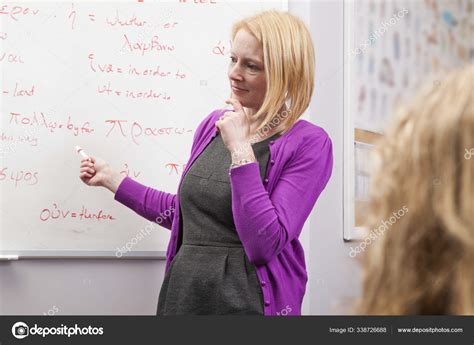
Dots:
pixel 423 264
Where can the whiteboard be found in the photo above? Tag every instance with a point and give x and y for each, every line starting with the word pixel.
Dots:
pixel 129 82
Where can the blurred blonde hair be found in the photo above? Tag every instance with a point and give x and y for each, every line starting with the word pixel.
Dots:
pixel 288 56
pixel 423 264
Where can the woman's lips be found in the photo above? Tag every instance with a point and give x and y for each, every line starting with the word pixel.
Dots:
pixel 237 89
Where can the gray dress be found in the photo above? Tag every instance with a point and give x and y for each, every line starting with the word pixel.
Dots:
pixel 211 273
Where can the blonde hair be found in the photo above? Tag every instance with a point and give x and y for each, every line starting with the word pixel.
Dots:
pixel 288 56
pixel 423 264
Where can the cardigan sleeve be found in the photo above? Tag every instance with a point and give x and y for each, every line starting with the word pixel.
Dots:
pixel 152 204
pixel 267 223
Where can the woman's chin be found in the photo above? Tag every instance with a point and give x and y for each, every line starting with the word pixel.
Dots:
pixel 242 100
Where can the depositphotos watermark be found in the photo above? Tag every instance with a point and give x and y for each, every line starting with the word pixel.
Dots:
pixel 285 311
pixel 52 311
pixel 261 133
pixel 142 233
pixel 21 330
pixel 379 32
pixel 380 230
pixel 469 153
pixel 274 122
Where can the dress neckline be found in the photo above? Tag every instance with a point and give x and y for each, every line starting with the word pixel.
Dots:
pixel 266 139
pixel 218 134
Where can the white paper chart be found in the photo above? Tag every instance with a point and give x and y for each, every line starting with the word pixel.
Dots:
pixel 398 46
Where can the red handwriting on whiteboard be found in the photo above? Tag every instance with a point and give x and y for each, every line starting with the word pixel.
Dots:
pixel 11 58
pixel 29 178
pixel 72 16
pixel 137 130
pixel 118 20
pixel 148 72
pixel 55 212
pixel 33 141
pixel 142 47
pixel 108 68
pixel 52 126
pixel 3 36
pixel 14 12
pixel 126 171
pixel 19 92
pixel 132 21
pixel 220 49
pixel 133 94
pixel 175 168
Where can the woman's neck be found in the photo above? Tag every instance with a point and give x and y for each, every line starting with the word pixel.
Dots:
pixel 261 135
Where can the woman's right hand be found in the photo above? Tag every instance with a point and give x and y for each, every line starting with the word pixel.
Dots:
pixel 94 172
pixel 97 172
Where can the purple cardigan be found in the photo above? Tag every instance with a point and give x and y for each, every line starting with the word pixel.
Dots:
pixel 268 215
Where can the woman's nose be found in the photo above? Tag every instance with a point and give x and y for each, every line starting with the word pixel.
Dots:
pixel 234 73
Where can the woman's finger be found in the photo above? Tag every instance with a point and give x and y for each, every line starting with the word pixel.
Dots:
pixel 87 165
pixel 236 104
pixel 89 170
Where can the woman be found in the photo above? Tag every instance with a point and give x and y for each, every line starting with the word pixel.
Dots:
pixel 251 182
pixel 423 262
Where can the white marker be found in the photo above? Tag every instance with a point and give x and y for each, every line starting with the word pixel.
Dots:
pixel 82 153
pixel 9 257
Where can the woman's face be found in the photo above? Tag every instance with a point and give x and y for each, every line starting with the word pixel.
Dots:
pixel 246 71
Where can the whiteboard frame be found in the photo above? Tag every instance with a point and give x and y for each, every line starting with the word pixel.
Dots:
pixel 8 255
pixel 350 231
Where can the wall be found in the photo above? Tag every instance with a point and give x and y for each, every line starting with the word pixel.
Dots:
pixel 113 287
pixel 334 276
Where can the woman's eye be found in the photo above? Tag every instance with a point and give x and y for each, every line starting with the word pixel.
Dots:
pixel 232 60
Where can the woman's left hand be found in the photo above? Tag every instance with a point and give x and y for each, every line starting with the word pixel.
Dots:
pixel 234 126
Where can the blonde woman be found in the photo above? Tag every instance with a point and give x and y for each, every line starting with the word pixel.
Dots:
pixel 254 175
pixel 423 264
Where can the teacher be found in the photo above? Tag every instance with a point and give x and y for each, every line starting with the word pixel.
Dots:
pixel 253 177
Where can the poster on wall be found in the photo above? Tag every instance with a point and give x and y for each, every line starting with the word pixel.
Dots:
pixel 391 49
